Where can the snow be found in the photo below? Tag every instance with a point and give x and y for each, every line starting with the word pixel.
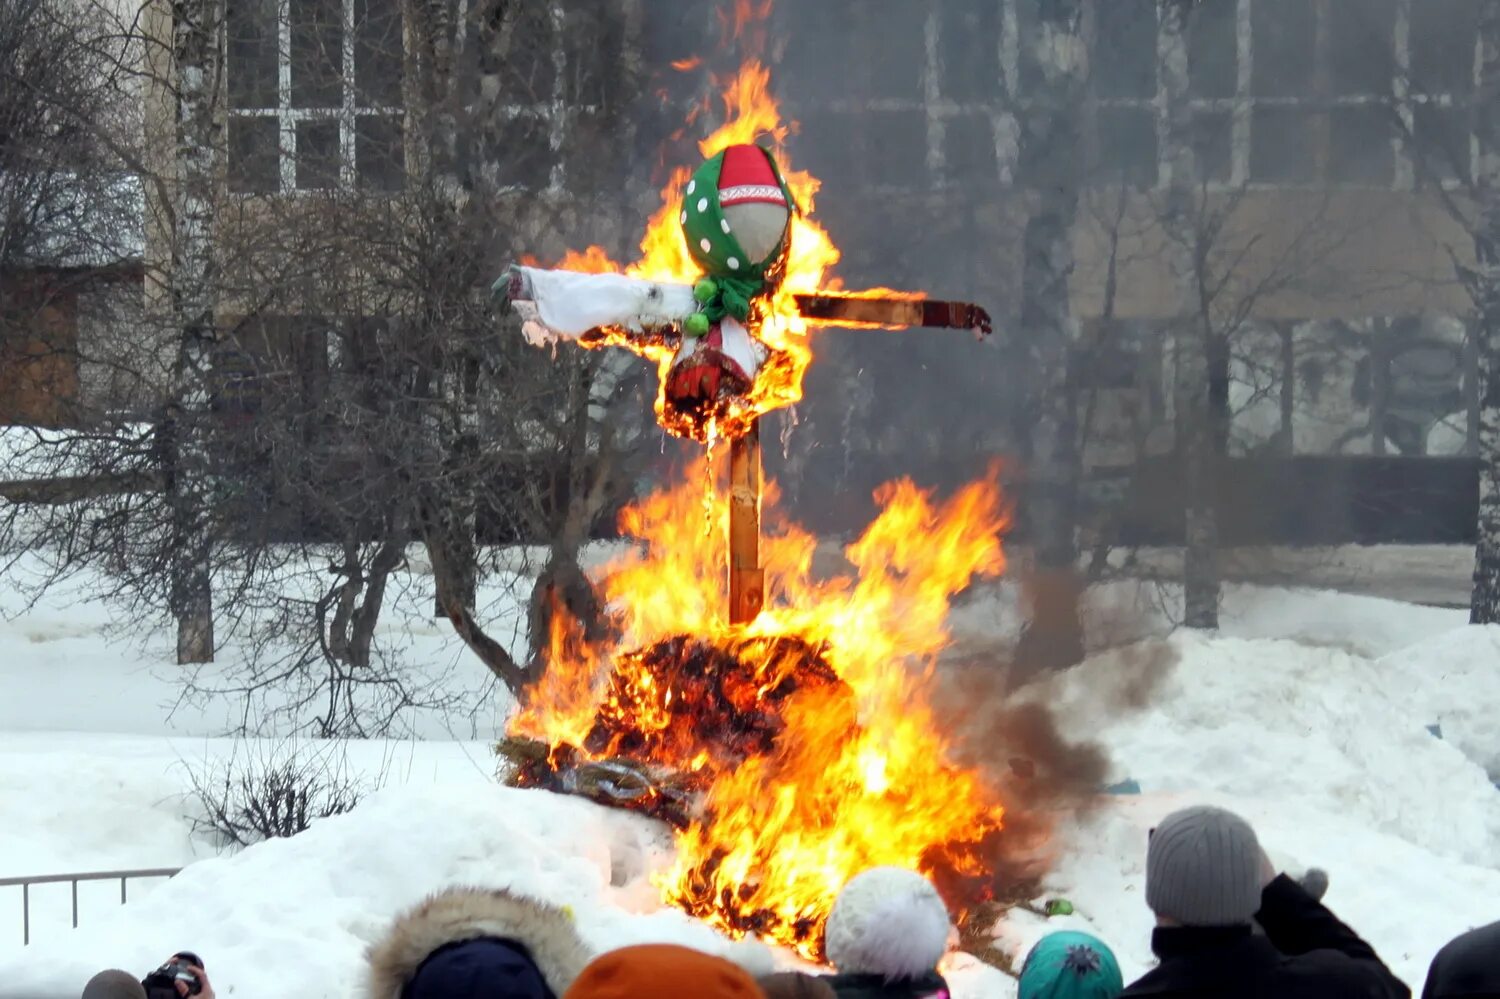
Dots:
pixel 1455 679
pixel 120 677
pixel 1309 714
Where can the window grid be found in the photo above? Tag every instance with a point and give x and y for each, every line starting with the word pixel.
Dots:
pixel 288 116
pixel 941 110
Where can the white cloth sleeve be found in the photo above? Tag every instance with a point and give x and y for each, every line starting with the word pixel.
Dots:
pixel 569 304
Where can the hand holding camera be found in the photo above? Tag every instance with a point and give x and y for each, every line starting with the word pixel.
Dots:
pixel 179 977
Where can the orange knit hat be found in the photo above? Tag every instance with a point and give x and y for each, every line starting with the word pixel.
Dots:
pixel 662 970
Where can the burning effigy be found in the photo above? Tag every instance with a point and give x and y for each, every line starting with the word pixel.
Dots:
pixel 774 718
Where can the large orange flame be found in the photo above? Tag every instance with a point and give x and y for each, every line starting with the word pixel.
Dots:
pixel 860 776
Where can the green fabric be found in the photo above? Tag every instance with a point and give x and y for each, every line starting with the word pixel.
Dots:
pixel 1070 965
pixel 714 247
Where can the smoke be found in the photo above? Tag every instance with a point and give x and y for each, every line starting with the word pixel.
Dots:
pixel 1028 732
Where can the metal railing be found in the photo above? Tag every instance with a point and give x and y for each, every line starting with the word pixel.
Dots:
pixel 25 883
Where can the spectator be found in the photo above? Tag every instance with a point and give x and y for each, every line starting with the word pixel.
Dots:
pixel 663 970
pixel 886 934
pixel 472 943
pixel 795 985
pixel 1070 965
pixel 1467 967
pixel 114 984
pixel 1208 880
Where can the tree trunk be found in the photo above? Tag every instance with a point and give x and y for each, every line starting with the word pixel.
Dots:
pixel 1201 400
pixel 1484 607
pixel 1047 431
pixel 1286 443
pixel 195 43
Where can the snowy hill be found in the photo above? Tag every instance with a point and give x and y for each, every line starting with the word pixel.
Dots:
pixel 1310 716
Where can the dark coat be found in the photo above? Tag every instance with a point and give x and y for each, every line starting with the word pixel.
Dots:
pixel 865 986
pixel 1306 952
pixel 1467 968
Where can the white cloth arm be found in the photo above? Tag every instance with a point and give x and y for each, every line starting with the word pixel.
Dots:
pixel 570 304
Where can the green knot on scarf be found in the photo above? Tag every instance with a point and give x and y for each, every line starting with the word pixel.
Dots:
pixel 729 294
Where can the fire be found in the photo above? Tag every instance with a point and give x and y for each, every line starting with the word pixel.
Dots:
pixel 827 759
pixel 795 751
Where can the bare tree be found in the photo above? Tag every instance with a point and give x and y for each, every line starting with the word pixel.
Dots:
pixel 1048 435
pixel 344 392
pixel 1484 287
pixel 1195 346
pixel 197 27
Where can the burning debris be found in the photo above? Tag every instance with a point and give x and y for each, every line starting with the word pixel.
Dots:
pixel 682 698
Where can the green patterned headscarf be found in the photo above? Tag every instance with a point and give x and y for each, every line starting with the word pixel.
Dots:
pixel 733 279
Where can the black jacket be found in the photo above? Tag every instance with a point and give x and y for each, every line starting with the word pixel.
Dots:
pixel 1306 952
pixel 929 986
pixel 1467 968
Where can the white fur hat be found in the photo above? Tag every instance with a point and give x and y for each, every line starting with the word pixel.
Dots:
pixel 887 921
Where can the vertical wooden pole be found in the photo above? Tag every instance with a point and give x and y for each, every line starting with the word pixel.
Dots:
pixel 746 579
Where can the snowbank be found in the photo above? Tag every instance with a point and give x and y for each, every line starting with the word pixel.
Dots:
pixel 1454 681
pixel 1309 714
pixel 296 915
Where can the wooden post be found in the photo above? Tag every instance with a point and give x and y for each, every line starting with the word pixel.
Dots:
pixel 746 579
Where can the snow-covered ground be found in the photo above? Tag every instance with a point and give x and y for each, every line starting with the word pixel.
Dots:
pixel 1310 714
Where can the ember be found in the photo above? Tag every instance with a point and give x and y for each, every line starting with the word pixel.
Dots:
pixel 687 697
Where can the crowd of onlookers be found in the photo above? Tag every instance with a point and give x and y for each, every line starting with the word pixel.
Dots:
pixel 1227 925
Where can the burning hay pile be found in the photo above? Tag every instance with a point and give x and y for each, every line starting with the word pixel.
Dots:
pixel 681 698
pixel 788 754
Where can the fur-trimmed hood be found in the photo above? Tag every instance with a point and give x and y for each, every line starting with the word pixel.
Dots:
pixel 459 914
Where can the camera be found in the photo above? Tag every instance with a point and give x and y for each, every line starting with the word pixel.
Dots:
pixel 161 983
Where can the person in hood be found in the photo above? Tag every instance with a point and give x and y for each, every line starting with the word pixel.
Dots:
pixel 114 984
pixel 663 970
pixel 1208 881
pixel 474 943
pixel 885 936
pixel 1070 965
pixel 1467 967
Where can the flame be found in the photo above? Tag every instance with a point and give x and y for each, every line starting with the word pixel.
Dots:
pixel 804 739
pixel 856 772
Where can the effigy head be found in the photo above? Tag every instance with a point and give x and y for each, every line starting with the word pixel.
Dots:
pixel 736 213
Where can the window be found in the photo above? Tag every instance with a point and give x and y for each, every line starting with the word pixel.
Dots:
pixel 314 95
pixel 1441 72
pixel 549 70
pixel 1282 92
pixel 1123 85
pixel 1213 51
pixel 899 96
pixel 1323 90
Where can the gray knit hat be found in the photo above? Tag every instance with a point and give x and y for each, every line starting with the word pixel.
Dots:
pixel 114 984
pixel 1203 868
